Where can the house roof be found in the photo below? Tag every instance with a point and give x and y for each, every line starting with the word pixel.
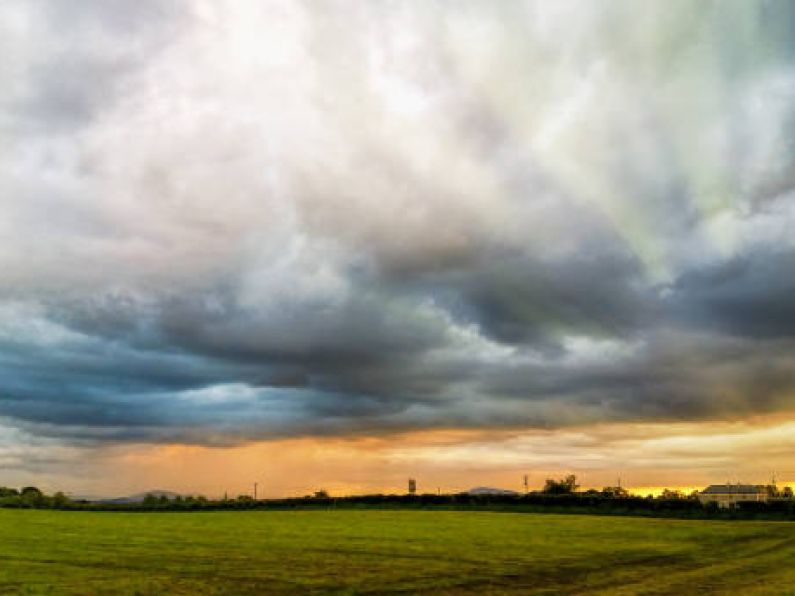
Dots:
pixel 733 489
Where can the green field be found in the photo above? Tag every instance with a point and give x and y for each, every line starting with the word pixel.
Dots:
pixel 385 551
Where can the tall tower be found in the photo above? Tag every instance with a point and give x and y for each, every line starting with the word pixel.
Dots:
pixel 412 486
pixel 526 489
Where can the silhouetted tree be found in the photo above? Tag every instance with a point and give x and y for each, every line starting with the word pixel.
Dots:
pixel 565 486
pixel 59 500
pixel 31 496
pixel 672 494
pixel 615 492
pixel 150 500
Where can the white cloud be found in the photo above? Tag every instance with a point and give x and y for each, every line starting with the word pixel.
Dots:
pixel 450 214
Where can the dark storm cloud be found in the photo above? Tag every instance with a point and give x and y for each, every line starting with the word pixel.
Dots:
pixel 678 376
pixel 748 295
pixel 216 228
pixel 521 300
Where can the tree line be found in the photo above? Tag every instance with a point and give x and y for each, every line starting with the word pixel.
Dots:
pixel 557 496
pixel 32 497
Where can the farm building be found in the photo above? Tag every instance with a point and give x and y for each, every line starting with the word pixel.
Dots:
pixel 727 495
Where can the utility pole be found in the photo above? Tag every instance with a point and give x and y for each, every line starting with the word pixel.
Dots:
pixel 526 489
pixel 255 491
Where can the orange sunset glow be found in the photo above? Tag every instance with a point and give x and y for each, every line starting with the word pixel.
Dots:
pixel 646 457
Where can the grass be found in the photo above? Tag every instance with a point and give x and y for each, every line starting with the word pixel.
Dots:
pixel 298 552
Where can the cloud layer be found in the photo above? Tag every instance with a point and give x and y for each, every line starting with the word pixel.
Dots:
pixel 225 221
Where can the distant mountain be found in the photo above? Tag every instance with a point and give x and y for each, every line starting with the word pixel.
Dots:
pixel 487 490
pixel 138 498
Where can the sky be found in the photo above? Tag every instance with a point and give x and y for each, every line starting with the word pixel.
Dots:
pixel 334 245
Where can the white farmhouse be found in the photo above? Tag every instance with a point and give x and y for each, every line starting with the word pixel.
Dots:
pixel 728 495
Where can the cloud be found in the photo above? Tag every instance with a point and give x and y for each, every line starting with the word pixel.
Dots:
pixel 749 295
pixel 236 220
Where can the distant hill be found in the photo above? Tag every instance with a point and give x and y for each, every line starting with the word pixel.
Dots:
pixel 487 490
pixel 139 497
